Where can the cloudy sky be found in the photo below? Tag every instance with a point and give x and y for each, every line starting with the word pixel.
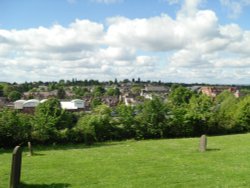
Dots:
pixel 170 40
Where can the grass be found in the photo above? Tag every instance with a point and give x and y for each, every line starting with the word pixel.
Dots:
pixel 150 163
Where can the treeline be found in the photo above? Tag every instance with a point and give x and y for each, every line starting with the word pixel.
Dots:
pixel 183 114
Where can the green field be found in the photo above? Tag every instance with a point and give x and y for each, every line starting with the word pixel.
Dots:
pixel 150 163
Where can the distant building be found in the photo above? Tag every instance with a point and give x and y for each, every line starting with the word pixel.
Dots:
pixel 150 90
pixel 74 105
pixel 28 106
pixel 129 99
pixel 3 101
pixel 19 104
pixel 213 91
pixel 40 95
pixel 111 101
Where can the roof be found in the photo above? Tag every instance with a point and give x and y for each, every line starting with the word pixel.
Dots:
pixel 68 105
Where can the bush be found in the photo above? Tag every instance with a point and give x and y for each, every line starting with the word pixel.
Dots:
pixel 15 128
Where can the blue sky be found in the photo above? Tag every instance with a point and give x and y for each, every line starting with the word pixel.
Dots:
pixel 169 40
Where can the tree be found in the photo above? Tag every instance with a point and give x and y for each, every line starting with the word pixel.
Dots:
pixel 223 119
pixel 61 94
pixel 15 128
pixel 113 92
pixel 96 101
pixel 242 115
pixel 152 119
pixel 86 129
pixel 199 113
pixel 136 90
pixel 49 120
pixel 1 90
pixel 96 126
pixel 124 121
pixel 14 95
pixel 7 89
pixel 180 95
pixel 98 91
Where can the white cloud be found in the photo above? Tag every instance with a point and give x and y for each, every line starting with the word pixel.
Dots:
pixel 235 7
pixel 170 2
pixel 107 1
pixel 193 47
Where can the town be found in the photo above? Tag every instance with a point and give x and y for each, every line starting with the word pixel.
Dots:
pixel 85 95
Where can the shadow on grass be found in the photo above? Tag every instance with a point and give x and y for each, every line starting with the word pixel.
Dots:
pixel 53 185
pixel 76 146
pixel 37 148
pixel 37 154
pixel 212 149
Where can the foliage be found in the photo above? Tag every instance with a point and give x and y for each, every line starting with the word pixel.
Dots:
pixel 7 89
pixel 180 95
pixel 182 114
pixel 112 92
pixel 200 110
pixel 96 101
pixel 136 89
pixel 124 121
pixel 1 90
pixel 61 93
pixel 15 128
pixel 151 119
pixel 98 91
pixel 49 119
pixel 242 116
pixel 14 95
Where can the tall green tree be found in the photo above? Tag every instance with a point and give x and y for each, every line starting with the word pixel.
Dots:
pixel 151 119
pixel 180 95
pixel 7 89
pixel 199 114
pixel 242 115
pixel 124 121
pixel 49 120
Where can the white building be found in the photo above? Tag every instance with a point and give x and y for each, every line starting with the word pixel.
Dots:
pixel 32 103
pixel 68 105
pixel 72 105
pixel 19 104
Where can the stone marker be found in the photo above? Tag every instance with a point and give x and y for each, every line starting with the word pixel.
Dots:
pixel 30 149
pixel 203 143
pixel 16 167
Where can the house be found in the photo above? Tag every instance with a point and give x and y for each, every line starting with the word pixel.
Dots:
pixel 111 101
pixel 40 95
pixel 213 91
pixel 129 99
pixel 149 91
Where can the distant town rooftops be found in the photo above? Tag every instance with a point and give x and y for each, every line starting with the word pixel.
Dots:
pixel 32 103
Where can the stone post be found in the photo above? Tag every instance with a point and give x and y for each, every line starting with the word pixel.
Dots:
pixel 16 167
pixel 30 149
pixel 203 143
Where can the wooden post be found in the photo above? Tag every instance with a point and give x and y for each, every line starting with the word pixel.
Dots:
pixel 30 149
pixel 203 143
pixel 16 167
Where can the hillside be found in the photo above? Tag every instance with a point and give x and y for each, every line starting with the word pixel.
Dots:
pixel 150 163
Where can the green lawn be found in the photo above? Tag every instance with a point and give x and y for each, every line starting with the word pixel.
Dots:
pixel 150 163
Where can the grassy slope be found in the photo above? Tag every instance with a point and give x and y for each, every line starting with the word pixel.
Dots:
pixel 151 163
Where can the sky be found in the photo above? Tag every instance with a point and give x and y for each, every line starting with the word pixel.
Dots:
pixel 188 41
